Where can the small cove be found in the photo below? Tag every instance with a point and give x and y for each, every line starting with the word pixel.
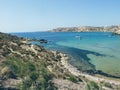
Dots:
pixel 95 50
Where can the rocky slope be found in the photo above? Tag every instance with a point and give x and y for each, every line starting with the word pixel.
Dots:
pixel 22 65
pixel 87 29
pixel 31 67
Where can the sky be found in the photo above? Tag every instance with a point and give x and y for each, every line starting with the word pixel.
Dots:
pixel 42 15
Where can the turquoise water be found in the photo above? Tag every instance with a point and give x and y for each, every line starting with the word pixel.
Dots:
pixel 93 50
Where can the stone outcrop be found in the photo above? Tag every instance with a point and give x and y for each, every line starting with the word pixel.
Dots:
pixel 117 32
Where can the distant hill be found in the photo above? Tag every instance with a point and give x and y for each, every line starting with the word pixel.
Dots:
pixel 87 29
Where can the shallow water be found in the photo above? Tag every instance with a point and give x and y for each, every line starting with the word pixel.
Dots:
pixel 99 48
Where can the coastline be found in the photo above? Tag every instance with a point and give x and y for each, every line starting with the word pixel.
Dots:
pixel 117 32
pixel 73 70
pixel 64 61
pixel 60 66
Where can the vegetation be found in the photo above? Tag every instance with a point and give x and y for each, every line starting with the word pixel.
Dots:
pixel 38 78
pixel 73 79
pixel 17 63
pixel 107 85
pixel 92 86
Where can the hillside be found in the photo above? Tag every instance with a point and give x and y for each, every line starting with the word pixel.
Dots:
pixel 26 66
pixel 30 67
pixel 21 67
pixel 87 29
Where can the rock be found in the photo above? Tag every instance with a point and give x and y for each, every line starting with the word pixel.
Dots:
pixel 68 85
pixel 5 70
pixel 117 32
pixel 11 83
pixel 43 41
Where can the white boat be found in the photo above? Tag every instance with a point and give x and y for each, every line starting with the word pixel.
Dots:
pixel 78 36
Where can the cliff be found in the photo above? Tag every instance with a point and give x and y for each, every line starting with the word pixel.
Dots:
pixel 87 29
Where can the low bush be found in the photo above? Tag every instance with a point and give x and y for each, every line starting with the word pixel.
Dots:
pixel 73 79
pixel 93 86
pixel 107 84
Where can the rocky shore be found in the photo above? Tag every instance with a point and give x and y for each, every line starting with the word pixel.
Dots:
pixel 63 61
pixel 74 71
pixel 26 66
pixel 117 32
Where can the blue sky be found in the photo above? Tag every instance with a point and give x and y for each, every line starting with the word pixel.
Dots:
pixel 41 15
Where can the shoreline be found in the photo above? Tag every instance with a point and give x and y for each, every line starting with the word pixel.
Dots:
pixel 73 70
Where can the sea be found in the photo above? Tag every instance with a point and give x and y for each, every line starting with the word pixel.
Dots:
pixel 86 50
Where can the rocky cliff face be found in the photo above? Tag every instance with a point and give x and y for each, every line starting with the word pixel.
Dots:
pixel 118 30
pixel 87 29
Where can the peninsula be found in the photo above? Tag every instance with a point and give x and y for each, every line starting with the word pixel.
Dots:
pixel 114 29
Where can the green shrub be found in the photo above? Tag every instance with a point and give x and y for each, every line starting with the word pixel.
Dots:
pixel 31 66
pixel 34 76
pixel 107 84
pixel 17 67
pixel 37 74
pixel 13 64
pixel 93 86
pixel 73 79
pixel 26 84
